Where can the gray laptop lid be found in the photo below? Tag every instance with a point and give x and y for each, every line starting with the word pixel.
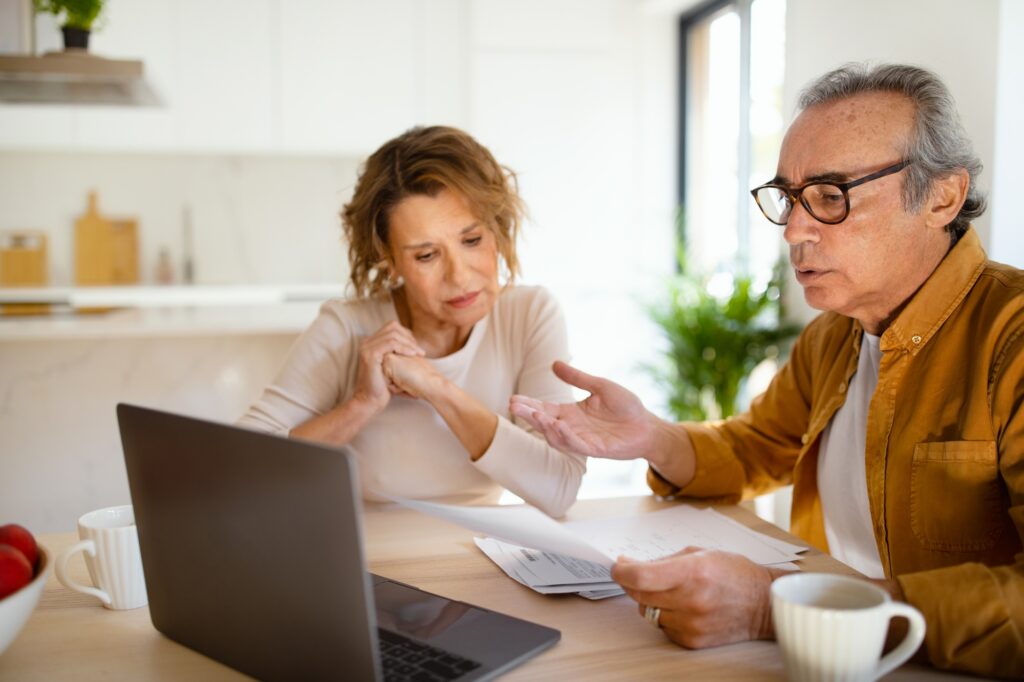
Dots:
pixel 253 555
pixel 252 551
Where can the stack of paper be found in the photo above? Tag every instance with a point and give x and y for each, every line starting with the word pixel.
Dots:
pixel 554 558
pixel 550 573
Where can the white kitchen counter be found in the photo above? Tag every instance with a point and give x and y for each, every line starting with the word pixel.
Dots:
pixel 190 321
pixel 161 311
pixel 165 296
pixel 62 375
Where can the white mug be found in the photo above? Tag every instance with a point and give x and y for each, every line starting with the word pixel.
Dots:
pixel 110 541
pixel 831 628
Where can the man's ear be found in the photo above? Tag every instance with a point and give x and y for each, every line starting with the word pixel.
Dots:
pixel 946 198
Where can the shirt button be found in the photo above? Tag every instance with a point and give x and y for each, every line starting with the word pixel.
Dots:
pixel 804 438
pixel 842 387
pixel 916 339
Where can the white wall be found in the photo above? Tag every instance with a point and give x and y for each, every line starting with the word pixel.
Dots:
pixel 1007 241
pixel 581 102
pixel 958 39
pixel 579 97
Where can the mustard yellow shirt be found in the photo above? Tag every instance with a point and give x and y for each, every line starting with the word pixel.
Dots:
pixel 944 456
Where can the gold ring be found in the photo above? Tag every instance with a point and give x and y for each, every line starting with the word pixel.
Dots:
pixel 652 614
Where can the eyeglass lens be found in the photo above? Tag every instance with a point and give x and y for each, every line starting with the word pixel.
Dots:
pixel 824 201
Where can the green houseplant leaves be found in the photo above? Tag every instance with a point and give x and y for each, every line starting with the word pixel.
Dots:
pixel 716 336
pixel 78 14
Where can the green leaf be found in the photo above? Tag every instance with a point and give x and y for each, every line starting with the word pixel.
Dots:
pixel 713 344
pixel 77 13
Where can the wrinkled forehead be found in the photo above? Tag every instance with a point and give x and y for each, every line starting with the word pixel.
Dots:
pixel 848 137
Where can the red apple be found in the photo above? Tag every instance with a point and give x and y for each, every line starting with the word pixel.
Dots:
pixel 19 538
pixel 15 570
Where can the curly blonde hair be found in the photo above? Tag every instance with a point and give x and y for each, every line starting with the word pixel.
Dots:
pixel 425 161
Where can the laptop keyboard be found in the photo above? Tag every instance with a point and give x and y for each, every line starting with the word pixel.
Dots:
pixel 403 659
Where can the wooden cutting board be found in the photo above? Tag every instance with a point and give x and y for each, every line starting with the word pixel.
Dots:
pixel 106 250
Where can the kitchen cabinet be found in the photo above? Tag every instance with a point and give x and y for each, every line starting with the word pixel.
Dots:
pixel 349 73
pixel 147 30
pixel 28 126
pixel 323 77
pixel 225 64
pixel 59 389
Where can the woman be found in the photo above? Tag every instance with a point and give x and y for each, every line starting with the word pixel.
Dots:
pixel 416 372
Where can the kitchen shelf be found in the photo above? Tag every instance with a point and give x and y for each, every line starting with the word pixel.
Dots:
pixel 73 77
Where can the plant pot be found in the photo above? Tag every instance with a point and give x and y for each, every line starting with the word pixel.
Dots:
pixel 75 38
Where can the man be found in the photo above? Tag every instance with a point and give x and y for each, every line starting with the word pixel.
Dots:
pixel 898 417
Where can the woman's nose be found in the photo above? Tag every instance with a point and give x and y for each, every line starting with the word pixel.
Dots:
pixel 458 270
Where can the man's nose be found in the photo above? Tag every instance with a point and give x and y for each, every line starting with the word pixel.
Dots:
pixel 801 226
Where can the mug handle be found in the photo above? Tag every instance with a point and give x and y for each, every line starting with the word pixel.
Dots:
pixel 60 567
pixel 910 643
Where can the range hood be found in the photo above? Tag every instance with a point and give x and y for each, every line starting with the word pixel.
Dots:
pixel 72 77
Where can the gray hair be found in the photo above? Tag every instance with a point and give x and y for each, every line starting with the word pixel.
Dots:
pixel 939 145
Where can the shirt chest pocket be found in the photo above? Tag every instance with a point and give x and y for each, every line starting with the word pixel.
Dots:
pixel 956 496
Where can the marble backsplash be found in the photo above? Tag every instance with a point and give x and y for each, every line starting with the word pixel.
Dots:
pixel 255 220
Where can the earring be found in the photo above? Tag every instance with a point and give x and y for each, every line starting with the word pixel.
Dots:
pixel 394 282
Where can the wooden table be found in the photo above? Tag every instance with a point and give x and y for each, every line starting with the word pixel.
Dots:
pixel 70 636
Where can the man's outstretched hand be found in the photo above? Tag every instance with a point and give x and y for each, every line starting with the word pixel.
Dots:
pixel 611 423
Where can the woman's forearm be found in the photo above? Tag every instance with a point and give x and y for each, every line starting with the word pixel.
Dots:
pixel 472 423
pixel 339 425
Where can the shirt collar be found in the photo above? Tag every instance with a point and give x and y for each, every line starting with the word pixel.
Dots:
pixel 938 297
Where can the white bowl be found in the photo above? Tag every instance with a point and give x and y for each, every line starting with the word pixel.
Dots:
pixel 17 607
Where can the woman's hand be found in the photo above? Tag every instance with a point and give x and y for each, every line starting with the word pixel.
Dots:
pixel 372 386
pixel 413 376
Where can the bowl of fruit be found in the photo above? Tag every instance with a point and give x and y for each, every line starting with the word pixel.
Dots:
pixel 23 568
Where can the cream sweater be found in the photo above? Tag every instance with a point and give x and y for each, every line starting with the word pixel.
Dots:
pixel 407 450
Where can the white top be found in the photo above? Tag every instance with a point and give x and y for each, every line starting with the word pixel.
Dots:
pixel 842 471
pixel 407 450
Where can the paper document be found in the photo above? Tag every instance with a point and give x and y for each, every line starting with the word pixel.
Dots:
pixel 519 524
pixel 665 532
pixel 554 558
pixel 549 573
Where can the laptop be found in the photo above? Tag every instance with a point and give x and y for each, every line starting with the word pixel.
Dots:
pixel 253 555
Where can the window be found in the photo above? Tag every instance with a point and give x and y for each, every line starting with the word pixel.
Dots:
pixel 732 58
pixel 731 70
pixel 725 111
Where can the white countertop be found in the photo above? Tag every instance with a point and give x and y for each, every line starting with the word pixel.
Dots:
pixel 164 296
pixel 163 311
pixel 207 320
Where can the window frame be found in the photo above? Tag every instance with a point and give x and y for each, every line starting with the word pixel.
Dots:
pixel 688 21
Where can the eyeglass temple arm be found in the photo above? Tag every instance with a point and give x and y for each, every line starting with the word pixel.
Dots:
pixel 895 168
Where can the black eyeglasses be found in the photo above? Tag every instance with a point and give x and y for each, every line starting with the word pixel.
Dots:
pixel 827 202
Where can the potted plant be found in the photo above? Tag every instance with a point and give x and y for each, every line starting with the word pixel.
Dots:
pixel 718 330
pixel 78 19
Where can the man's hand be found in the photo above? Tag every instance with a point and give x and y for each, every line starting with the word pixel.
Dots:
pixel 707 597
pixel 611 423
